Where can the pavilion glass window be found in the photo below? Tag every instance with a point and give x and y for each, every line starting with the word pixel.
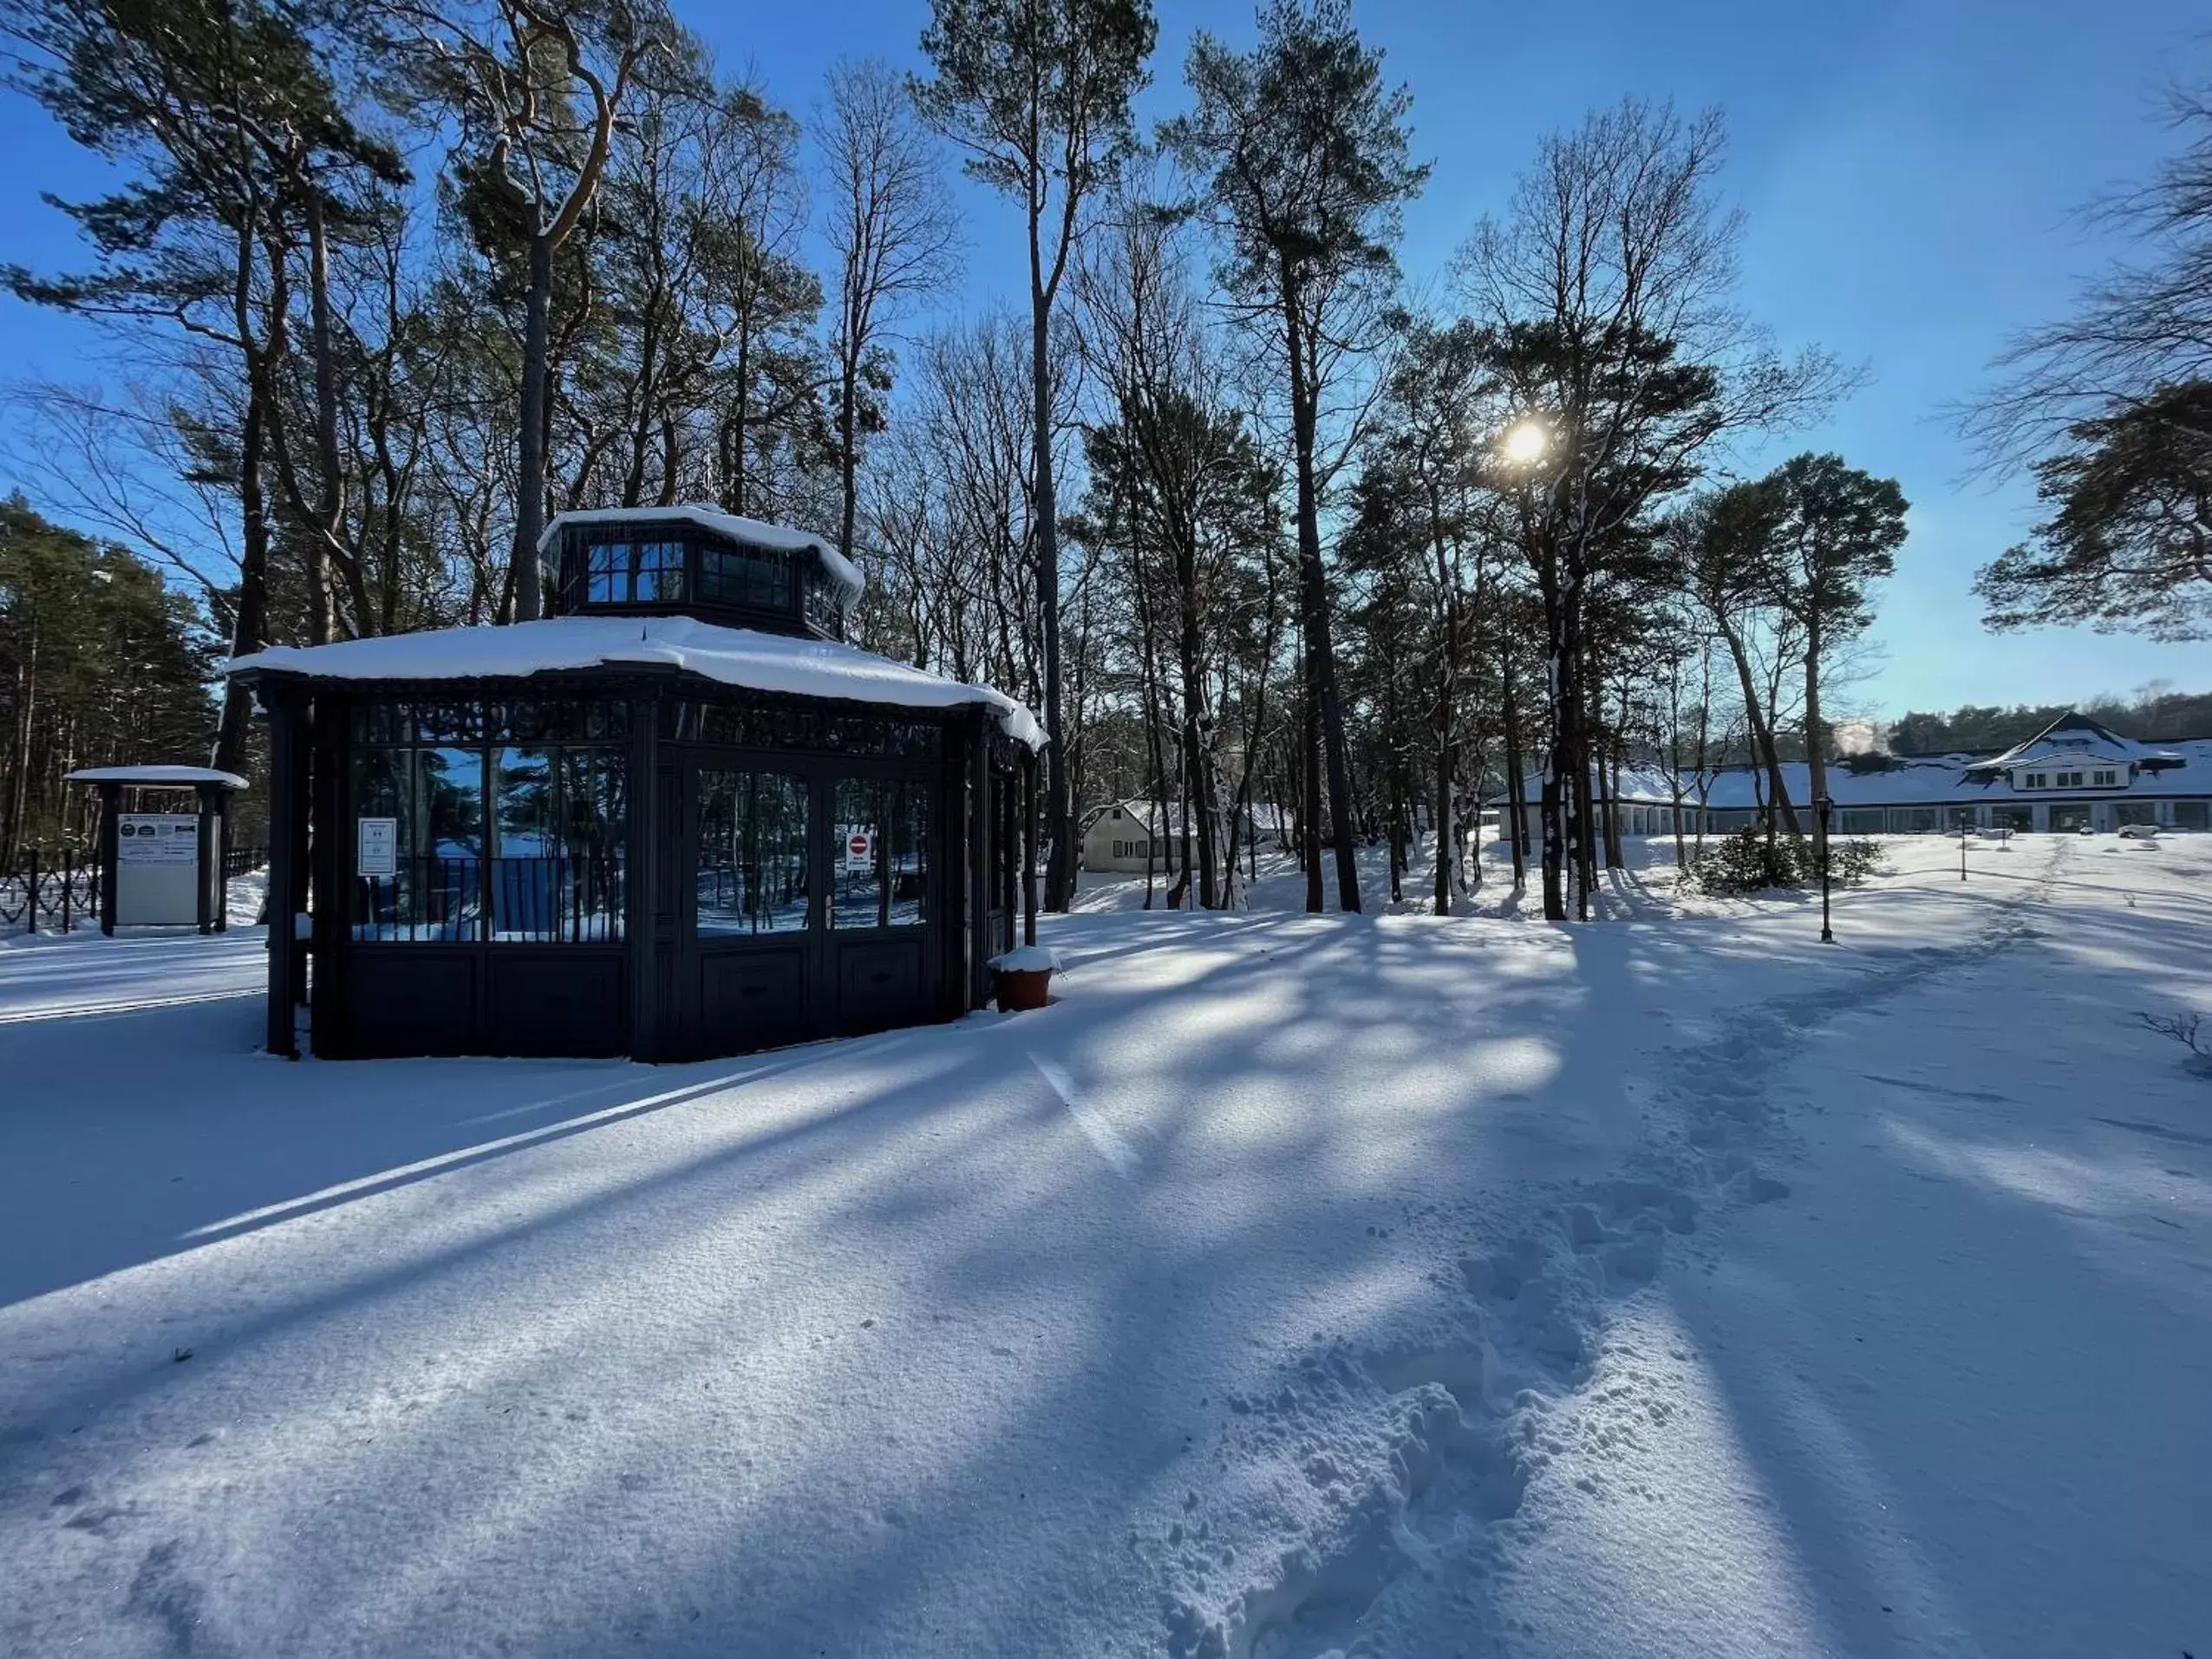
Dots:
pixel 647 571
pixel 760 581
pixel 882 827
pixel 510 822
pixel 752 871
pixel 825 607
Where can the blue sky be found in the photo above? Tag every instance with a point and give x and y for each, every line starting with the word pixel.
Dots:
pixel 1909 169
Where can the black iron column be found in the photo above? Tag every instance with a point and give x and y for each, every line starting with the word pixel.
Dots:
pixel 643 873
pixel 287 810
pixel 1029 848
pixel 206 903
pixel 1823 806
pixel 111 800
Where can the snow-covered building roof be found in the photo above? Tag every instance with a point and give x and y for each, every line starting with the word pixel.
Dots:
pixel 1646 786
pixel 735 657
pixel 1144 813
pixel 755 532
pixel 1963 780
pixel 157 777
pixel 2075 737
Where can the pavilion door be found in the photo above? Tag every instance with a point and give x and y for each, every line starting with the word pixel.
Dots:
pixel 810 911
pixel 884 889
pixel 748 962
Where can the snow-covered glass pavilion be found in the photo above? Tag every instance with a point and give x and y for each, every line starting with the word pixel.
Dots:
pixel 678 818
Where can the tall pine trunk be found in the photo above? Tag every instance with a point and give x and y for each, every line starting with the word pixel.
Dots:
pixel 1200 786
pixel 1516 783
pixel 1762 731
pixel 250 623
pixel 1060 873
pixel 1313 583
pixel 529 599
pixel 1815 759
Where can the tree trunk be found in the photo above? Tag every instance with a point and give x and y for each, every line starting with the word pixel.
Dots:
pixel 1517 782
pixel 1198 768
pixel 1313 582
pixel 1310 804
pixel 249 623
pixel 26 711
pixel 848 458
pixel 1762 731
pixel 1155 719
pixel 330 506
pixel 1060 874
pixel 1447 689
pixel 1815 761
pixel 530 508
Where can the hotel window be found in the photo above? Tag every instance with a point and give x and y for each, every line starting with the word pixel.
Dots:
pixel 2034 780
pixel 2106 779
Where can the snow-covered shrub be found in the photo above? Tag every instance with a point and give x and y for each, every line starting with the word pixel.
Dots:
pixel 1748 862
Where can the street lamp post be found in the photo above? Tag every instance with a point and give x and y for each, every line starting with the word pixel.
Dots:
pixel 1963 828
pixel 1823 806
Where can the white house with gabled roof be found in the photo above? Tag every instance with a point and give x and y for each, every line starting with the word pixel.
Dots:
pixel 1123 836
pixel 2074 774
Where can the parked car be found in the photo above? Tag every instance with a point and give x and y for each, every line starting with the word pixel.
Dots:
pixel 2138 831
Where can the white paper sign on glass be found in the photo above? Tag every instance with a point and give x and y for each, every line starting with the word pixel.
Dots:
pixel 376 846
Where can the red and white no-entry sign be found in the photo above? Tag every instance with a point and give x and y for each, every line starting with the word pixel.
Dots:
pixel 856 846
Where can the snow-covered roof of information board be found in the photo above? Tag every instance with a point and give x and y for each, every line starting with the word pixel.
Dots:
pixel 2077 737
pixel 157 776
pixel 755 532
pixel 738 656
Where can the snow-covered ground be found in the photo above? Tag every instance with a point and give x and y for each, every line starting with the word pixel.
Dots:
pixel 1294 1286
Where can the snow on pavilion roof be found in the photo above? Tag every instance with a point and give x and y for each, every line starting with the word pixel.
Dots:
pixel 2077 737
pixel 755 532
pixel 735 657
pixel 157 776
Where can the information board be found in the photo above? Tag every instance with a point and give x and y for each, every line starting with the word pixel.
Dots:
pixel 157 837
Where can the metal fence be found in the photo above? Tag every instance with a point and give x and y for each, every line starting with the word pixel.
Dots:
pixel 57 891
pixel 243 861
pixel 468 900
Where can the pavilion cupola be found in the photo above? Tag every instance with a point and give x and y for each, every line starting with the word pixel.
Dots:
pixel 697 562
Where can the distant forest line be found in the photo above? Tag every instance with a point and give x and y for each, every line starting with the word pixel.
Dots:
pixel 2152 712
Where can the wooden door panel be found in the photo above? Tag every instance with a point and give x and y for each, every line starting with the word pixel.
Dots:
pixel 753 998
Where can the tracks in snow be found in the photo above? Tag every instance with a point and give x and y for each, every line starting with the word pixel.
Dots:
pixel 1450 1434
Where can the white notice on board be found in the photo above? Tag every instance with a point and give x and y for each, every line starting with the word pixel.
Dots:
pixel 157 837
pixel 376 846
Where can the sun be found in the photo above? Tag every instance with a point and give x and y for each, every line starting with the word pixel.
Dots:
pixel 1526 441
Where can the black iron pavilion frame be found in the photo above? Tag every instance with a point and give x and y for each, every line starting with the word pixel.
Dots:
pixel 616 948
pixel 629 860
